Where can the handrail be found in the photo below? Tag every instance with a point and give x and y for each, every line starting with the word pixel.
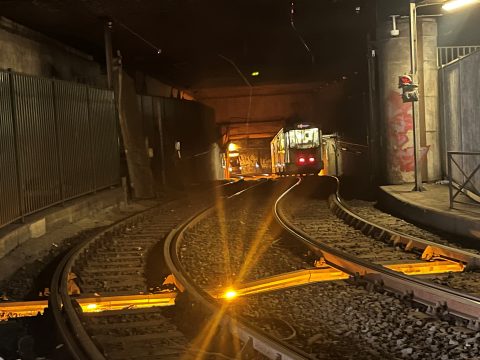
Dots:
pixel 449 54
pixel 462 188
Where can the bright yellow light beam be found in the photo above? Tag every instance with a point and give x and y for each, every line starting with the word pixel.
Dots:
pixel 230 294
pixel 282 281
pixel 457 4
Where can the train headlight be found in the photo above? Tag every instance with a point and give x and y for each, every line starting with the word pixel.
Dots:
pixel 311 159
pixel 301 160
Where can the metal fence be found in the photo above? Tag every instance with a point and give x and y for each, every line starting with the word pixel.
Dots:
pixel 447 54
pixel 464 177
pixel 58 141
pixel 460 84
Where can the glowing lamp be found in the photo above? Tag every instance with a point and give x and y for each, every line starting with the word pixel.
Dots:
pixel 91 306
pixel 255 73
pixel 311 159
pixel 232 147
pixel 301 160
pixel 456 4
pixel 230 294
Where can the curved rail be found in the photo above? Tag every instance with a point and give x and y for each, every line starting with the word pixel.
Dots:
pixel 250 336
pixel 66 317
pixel 432 295
pixel 429 248
pixel 80 344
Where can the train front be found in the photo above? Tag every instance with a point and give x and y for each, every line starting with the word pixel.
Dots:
pixel 301 150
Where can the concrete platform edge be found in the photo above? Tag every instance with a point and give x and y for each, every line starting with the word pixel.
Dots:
pixel 45 221
pixel 427 216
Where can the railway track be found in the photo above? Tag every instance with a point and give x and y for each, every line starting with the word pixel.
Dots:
pixel 238 243
pixel 322 320
pixel 113 263
pixel 467 281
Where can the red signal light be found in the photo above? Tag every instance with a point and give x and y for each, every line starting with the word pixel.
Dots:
pixel 405 80
pixel 301 160
pixel 311 159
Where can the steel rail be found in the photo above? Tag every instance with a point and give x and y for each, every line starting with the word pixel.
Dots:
pixel 429 248
pixel 429 294
pixel 68 322
pixel 248 334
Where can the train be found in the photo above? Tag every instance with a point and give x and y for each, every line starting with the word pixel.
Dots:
pixel 297 149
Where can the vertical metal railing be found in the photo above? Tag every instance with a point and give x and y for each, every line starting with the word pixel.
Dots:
pixel 104 140
pixel 9 187
pixel 447 54
pixel 58 141
pixel 464 178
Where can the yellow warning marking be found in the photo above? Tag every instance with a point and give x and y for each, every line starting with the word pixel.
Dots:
pixel 427 267
pixel 295 278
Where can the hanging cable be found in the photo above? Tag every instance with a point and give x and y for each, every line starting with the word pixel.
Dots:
pixel 231 62
pixel 156 48
pixel 302 40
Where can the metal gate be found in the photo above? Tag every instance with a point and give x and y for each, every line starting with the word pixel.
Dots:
pixel 58 141
pixel 461 121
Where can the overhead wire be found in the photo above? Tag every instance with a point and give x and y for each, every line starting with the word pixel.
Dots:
pixel 231 62
pixel 302 40
pixel 149 43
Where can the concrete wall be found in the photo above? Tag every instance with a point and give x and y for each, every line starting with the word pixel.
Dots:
pixel 254 156
pixel 26 51
pixel 429 101
pixel 136 149
pixel 314 102
pixel 146 85
pixel 396 116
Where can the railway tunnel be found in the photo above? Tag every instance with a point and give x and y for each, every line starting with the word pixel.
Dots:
pixel 281 179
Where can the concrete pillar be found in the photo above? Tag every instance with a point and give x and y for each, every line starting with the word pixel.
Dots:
pixel 428 74
pixel 395 116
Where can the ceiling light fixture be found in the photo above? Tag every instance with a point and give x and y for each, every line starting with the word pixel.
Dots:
pixel 456 4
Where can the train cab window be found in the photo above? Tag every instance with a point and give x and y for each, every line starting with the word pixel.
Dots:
pixel 304 138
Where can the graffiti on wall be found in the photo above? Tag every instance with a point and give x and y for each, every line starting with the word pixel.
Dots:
pixel 255 161
pixel 400 135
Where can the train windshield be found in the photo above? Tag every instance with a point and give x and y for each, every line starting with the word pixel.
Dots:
pixel 303 138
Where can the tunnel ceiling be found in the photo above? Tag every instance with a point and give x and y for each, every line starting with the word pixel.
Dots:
pixel 256 35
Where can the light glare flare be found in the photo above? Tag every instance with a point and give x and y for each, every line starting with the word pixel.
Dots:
pixel 91 306
pixel 230 294
pixel 232 147
pixel 456 4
